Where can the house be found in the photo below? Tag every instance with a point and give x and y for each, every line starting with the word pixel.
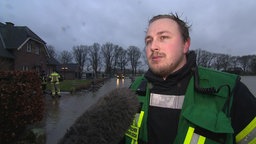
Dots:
pixel 69 71
pixel 22 49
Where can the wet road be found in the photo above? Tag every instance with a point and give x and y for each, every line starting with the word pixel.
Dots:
pixel 61 113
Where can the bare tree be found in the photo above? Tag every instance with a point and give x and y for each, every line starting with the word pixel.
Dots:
pixel 204 58
pixel 144 58
pixel 234 61
pixel 253 64
pixel 222 62
pixel 51 51
pixel 65 57
pixel 134 55
pixel 244 61
pixel 108 55
pixel 94 58
pixel 117 52
pixel 122 59
pixel 80 53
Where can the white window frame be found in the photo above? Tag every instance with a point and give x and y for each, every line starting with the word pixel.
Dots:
pixel 29 47
pixel 25 68
pixel 37 50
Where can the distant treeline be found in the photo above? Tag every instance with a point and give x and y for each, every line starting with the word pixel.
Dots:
pixel 243 65
pixel 111 58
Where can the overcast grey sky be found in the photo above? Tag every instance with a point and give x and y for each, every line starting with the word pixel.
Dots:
pixel 223 26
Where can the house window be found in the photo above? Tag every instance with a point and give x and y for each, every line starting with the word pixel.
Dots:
pixel 36 50
pixel 29 47
pixel 25 68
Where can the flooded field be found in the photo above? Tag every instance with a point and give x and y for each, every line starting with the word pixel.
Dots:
pixel 250 82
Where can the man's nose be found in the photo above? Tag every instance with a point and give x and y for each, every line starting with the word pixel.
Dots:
pixel 155 45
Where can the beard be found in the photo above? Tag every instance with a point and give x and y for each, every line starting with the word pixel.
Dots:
pixel 165 66
pixel 162 71
pixel 159 68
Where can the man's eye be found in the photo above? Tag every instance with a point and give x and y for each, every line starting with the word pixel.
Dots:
pixel 163 37
pixel 147 42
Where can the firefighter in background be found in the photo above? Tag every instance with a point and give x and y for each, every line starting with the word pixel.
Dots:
pixel 55 79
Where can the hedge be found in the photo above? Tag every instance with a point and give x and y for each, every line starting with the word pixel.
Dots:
pixel 21 103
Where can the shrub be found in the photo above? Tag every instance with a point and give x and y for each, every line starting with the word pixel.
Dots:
pixel 21 103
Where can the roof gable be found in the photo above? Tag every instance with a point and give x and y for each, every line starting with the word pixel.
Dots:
pixel 15 36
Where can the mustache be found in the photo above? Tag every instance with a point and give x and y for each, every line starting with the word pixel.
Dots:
pixel 155 54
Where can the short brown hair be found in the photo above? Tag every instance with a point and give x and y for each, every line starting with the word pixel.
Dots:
pixel 183 26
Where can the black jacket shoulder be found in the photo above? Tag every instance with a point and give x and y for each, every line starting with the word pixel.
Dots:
pixel 243 110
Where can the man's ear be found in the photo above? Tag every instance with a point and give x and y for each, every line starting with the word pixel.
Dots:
pixel 186 46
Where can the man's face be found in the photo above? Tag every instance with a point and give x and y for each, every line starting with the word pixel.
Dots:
pixel 165 48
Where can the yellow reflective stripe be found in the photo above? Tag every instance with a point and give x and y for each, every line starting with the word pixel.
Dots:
pixel 201 140
pixel 140 118
pixel 134 142
pixel 133 131
pixel 189 135
pixel 249 128
pixel 192 138
pixel 253 141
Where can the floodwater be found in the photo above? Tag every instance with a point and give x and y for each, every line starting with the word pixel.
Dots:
pixel 250 82
pixel 62 113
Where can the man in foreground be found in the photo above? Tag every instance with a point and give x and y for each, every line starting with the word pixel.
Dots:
pixel 185 103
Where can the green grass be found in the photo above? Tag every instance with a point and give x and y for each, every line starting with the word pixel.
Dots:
pixel 69 85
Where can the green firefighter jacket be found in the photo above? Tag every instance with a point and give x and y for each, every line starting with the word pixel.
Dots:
pixel 200 111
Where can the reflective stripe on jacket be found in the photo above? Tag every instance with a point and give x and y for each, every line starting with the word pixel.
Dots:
pixel 200 112
pixel 205 118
